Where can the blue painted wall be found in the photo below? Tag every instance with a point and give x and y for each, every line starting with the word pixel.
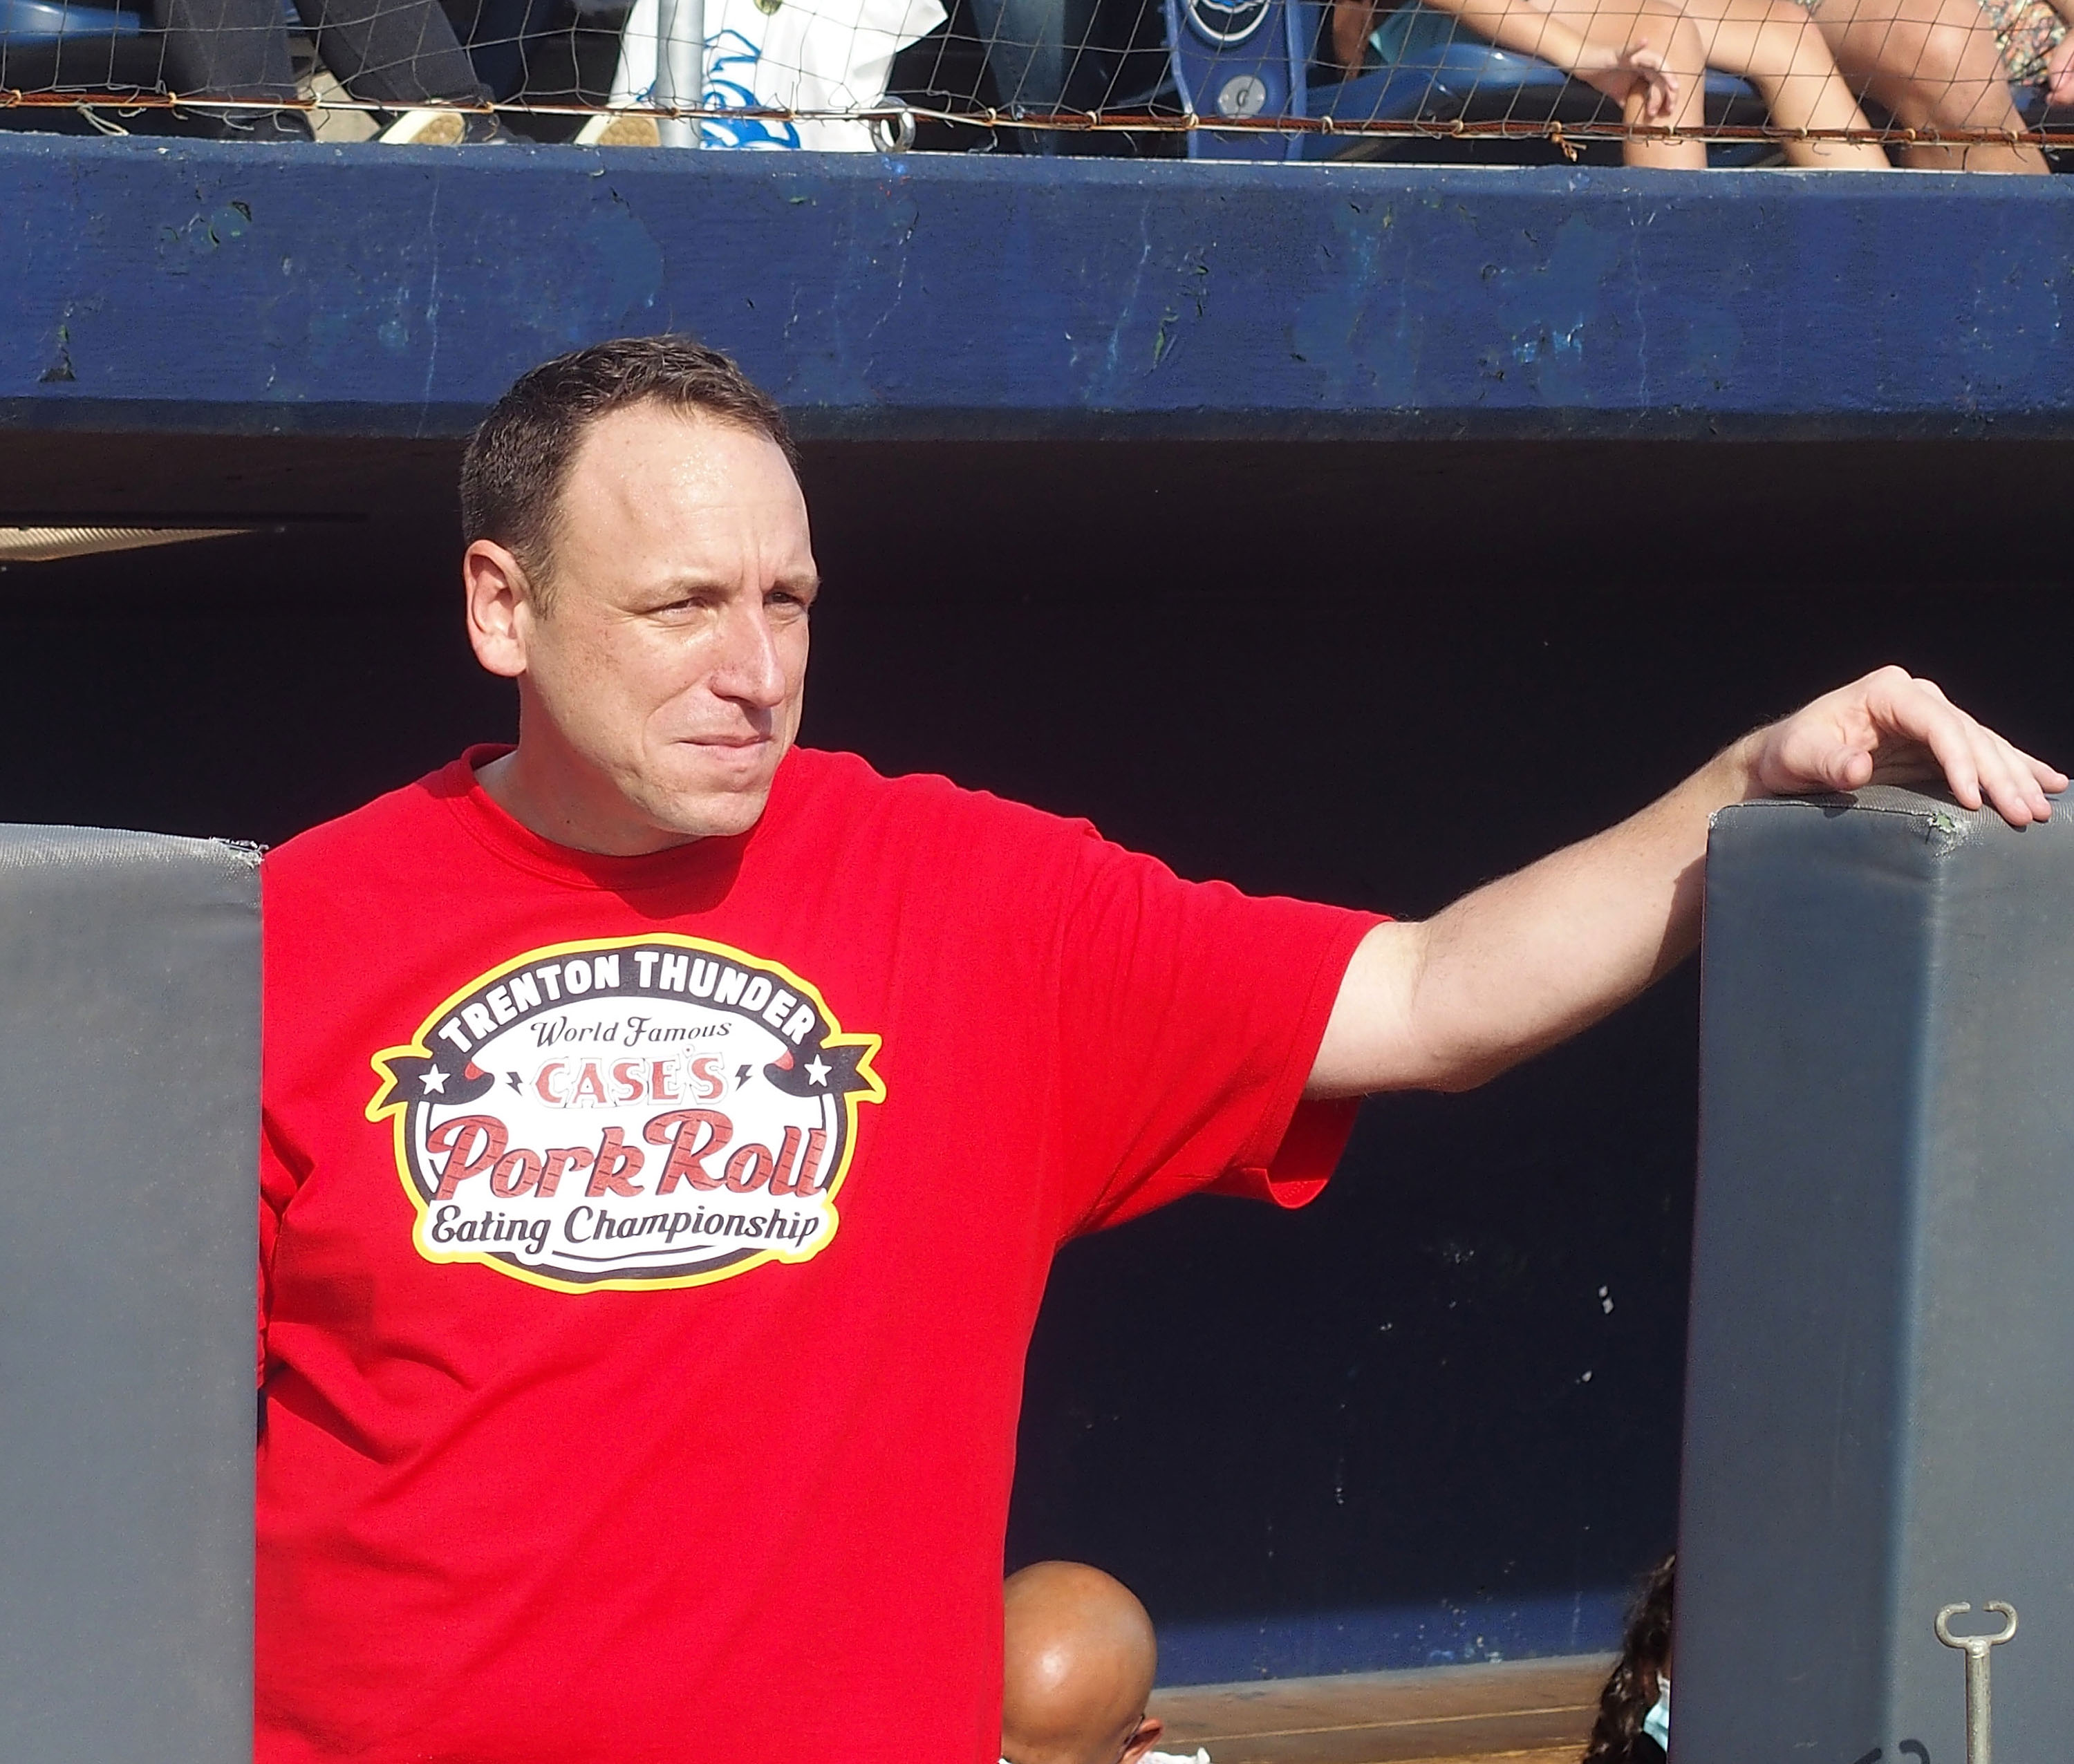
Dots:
pixel 1403 1425
pixel 395 291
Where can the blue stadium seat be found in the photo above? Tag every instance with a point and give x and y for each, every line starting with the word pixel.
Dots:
pixel 65 47
pixel 1247 58
pixel 59 45
pixel 1242 59
pixel 46 21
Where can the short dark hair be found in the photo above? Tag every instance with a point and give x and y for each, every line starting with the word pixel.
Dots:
pixel 519 458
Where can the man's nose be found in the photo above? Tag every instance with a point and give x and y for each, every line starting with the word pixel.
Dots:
pixel 750 669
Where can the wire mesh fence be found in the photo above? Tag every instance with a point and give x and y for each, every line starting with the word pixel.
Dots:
pixel 1819 84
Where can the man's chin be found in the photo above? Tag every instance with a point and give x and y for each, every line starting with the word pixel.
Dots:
pixel 709 811
pixel 700 792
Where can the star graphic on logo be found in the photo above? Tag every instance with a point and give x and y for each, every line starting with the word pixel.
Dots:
pixel 817 1069
pixel 434 1080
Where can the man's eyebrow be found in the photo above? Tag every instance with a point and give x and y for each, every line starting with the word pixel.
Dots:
pixel 689 582
pixel 676 588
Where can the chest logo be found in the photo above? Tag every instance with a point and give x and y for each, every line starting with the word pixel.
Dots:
pixel 626 1112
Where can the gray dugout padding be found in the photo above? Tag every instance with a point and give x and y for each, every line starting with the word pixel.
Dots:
pixel 1880 1400
pixel 129 1122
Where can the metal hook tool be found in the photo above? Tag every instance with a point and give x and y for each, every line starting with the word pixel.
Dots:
pixel 1980 1720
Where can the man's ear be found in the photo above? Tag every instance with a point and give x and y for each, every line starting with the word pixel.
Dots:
pixel 1142 1742
pixel 499 605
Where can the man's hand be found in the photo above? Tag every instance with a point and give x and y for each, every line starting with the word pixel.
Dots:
pixel 1533 958
pixel 1892 728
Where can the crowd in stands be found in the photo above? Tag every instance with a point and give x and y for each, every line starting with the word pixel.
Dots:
pixel 403 55
pixel 1825 70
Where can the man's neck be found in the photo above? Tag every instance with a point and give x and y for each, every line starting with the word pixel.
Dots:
pixel 580 812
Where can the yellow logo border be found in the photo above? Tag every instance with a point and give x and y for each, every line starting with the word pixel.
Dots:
pixel 386 1102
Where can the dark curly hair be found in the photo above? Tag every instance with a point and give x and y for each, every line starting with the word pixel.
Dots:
pixel 1630 1693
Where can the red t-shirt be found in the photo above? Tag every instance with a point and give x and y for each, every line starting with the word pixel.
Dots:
pixel 649 1247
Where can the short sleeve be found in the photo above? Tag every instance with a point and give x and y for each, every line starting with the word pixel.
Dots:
pixel 1190 1018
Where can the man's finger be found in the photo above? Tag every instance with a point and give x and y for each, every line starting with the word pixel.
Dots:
pixel 2023 786
pixel 2008 787
pixel 2009 774
pixel 2009 793
pixel 2010 797
pixel 2023 769
pixel 1943 734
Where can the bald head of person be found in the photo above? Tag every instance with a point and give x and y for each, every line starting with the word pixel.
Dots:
pixel 1078 1660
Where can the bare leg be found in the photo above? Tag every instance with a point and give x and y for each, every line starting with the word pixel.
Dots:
pixel 1351 21
pixel 1613 24
pixel 1934 64
pixel 1564 31
pixel 1775 46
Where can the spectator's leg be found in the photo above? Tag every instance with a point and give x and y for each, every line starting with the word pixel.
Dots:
pixel 396 53
pixel 1613 25
pixel 497 44
pixel 1775 46
pixel 1934 64
pixel 1026 52
pixel 1353 20
pixel 1666 23
pixel 226 49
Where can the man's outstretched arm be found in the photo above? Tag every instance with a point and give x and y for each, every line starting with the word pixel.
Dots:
pixel 1531 959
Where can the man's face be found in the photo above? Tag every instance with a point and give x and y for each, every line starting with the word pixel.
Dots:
pixel 672 657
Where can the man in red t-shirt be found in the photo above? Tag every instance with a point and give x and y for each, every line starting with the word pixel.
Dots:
pixel 668 1131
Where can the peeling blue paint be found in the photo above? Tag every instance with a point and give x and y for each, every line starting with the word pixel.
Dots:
pixel 382 290
pixel 1444 1633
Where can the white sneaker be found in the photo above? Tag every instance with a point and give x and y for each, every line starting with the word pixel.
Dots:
pixel 431 127
pixel 620 129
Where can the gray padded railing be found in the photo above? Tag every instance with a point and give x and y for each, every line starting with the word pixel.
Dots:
pixel 129 1119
